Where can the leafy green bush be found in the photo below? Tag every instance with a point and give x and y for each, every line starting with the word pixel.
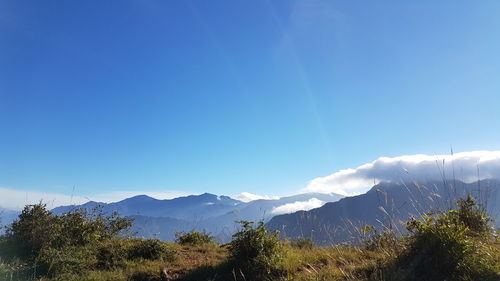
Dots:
pixel 80 227
pixel 447 247
pixel 38 229
pixel 473 216
pixel 35 229
pixel 54 245
pixel 111 253
pixel 114 253
pixel 255 252
pixel 150 249
pixel 193 238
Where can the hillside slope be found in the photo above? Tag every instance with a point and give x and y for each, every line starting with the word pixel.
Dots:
pixel 386 205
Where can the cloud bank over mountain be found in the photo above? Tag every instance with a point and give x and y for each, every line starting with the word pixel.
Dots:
pixel 464 166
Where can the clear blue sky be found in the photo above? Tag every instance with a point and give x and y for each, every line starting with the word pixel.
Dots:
pixel 232 96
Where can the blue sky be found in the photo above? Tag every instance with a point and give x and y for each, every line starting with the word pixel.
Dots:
pixel 233 96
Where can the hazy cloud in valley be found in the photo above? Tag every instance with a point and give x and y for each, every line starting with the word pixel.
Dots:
pixel 298 206
pixel 248 197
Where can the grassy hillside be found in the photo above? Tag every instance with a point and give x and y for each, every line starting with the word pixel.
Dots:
pixel 455 245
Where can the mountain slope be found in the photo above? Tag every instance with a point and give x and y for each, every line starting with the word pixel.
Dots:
pixel 385 205
pixel 7 216
pixel 163 228
pixel 223 226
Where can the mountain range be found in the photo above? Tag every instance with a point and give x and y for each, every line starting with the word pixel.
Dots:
pixel 206 212
pixel 387 205
pixel 326 218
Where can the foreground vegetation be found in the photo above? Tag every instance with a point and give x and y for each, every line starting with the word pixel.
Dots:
pixel 455 245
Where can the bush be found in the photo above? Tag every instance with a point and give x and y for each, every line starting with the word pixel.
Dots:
pixel 9 249
pixel 447 247
pixel 111 253
pixel 38 229
pixel 80 227
pixel 193 238
pixel 114 253
pixel 35 229
pixel 150 249
pixel 473 216
pixel 55 262
pixel 255 252
pixel 54 245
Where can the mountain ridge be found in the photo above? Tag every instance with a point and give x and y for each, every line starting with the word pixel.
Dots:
pixel 385 205
pixel 205 212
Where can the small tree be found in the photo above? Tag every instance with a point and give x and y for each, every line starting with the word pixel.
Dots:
pixel 473 216
pixel 35 229
pixel 255 252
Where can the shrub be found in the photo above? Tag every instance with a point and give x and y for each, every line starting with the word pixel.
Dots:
pixel 443 247
pixel 193 238
pixel 114 253
pixel 255 253
pixel 471 215
pixel 38 229
pixel 80 227
pixel 55 262
pixel 9 249
pixel 111 254
pixel 35 229
pixel 150 249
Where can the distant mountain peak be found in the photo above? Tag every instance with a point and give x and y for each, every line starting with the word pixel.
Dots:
pixel 139 199
pixel 142 197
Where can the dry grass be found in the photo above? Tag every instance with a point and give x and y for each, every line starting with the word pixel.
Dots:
pixel 208 262
pixel 329 263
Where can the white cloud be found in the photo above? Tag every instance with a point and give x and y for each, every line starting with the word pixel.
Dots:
pixel 462 166
pixel 247 197
pixel 298 206
pixel 16 199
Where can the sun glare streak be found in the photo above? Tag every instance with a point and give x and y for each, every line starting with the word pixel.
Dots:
pixel 304 81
